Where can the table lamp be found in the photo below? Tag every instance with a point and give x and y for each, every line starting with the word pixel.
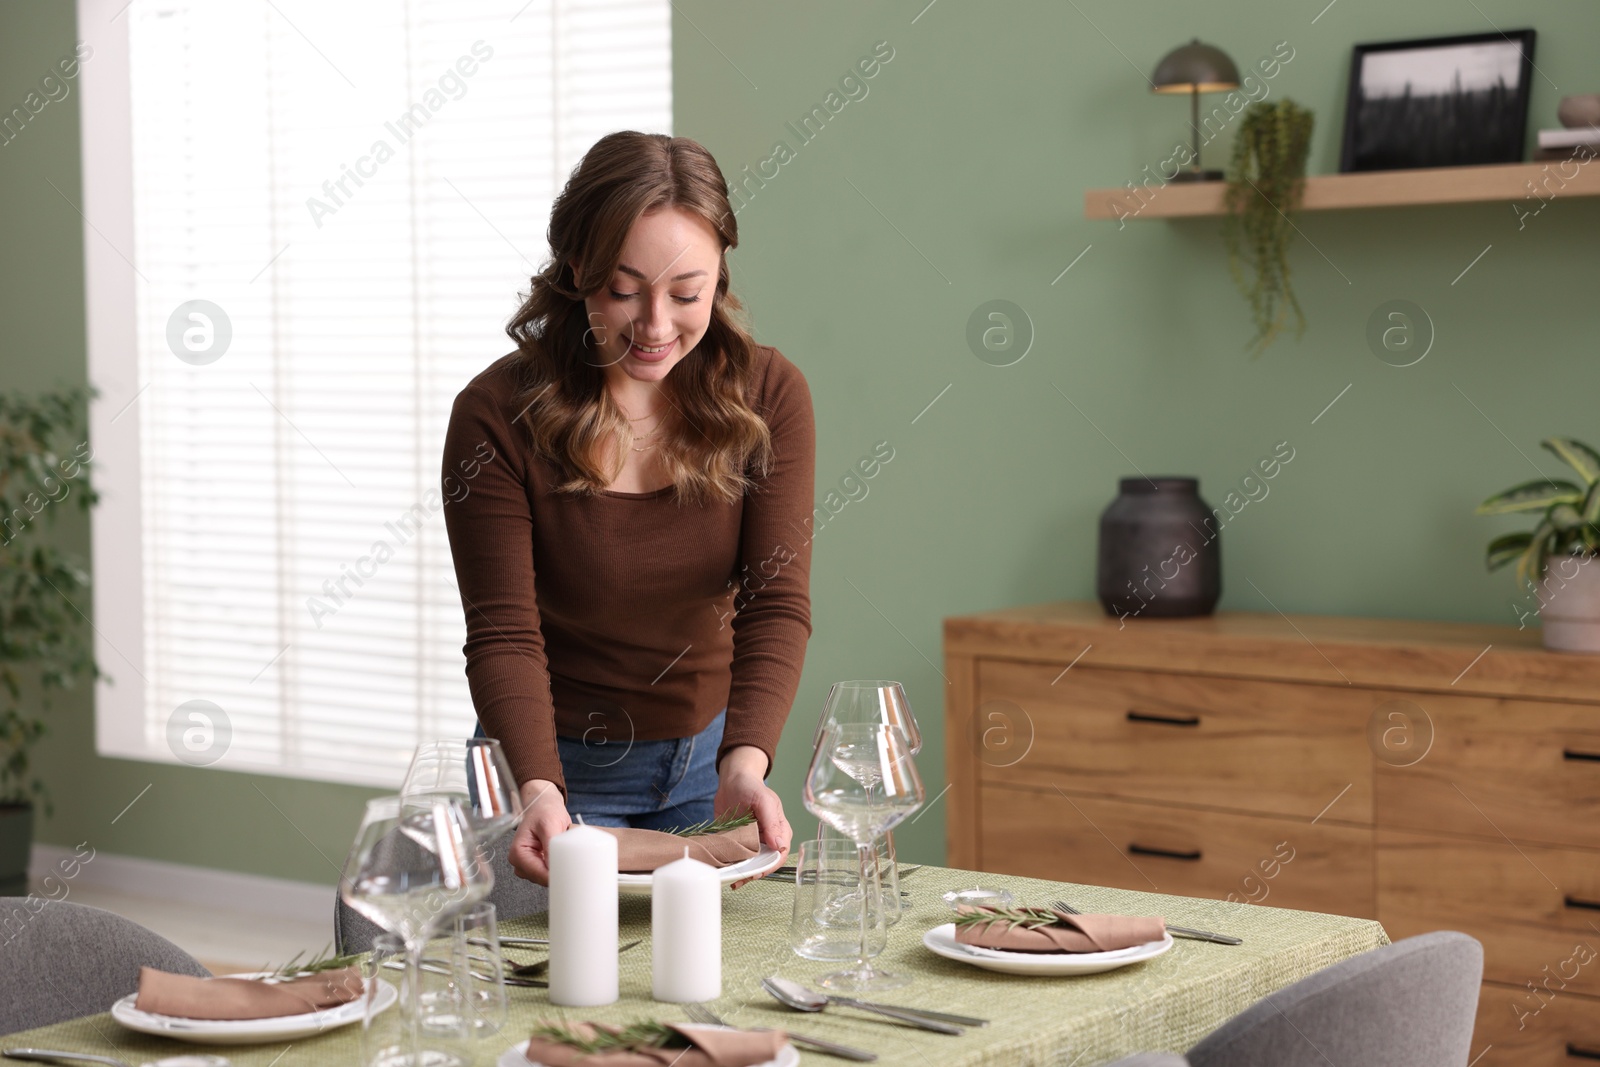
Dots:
pixel 1195 68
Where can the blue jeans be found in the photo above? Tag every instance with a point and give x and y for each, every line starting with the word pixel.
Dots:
pixel 653 785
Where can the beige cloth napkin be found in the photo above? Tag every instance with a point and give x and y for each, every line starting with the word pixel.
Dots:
pixel 711 1048
pixel 1081 933
pixel 186 997
pixel 642 851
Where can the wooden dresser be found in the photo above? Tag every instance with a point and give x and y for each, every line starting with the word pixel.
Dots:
pixel 1429 775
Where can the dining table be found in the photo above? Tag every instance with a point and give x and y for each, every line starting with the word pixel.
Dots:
pixel 1165 1004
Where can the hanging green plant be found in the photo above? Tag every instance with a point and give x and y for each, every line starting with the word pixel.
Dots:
pixel 1266 179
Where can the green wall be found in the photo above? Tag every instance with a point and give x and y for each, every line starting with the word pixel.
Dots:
pixel 956 180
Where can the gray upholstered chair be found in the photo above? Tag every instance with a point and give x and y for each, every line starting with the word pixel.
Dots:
pixel 513 898
pixel 60 960
pixel 1410 1004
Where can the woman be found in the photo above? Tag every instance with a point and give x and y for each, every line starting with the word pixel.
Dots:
pixel 631 549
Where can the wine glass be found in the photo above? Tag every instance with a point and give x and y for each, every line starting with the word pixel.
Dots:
pixel 873 701
pixel 869 700
pixel 474 771
pixel 862 782
pixel 415 863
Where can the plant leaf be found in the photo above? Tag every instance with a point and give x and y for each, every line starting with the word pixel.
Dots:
pixel 326 960
pixel 1577 455
pixel 1564 517
pixel 1530 567
pixel 1591 506
pixel 1503 550
pixel 715 826
pixel 642 1034
pixel 1018 915
pixel 1532 496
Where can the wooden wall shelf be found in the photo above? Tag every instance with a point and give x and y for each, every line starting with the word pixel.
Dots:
pixel 1511 182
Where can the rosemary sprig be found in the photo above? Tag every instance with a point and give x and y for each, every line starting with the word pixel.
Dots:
pixel 326 960
pixel 1025 917
pixel 643 1033
pixel 716 826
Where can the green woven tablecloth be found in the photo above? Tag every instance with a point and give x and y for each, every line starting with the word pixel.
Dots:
pixel 1165 1005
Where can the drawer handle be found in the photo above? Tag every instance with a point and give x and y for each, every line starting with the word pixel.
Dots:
pixel 1165 853
pixel 1172 720
pixel 1576 902
pixel 1578 1053
pixel 1591 757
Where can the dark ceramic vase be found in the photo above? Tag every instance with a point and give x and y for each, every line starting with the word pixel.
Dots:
pixel 1160 551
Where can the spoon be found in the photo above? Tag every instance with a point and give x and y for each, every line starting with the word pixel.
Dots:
pixel 800 992
pixel 798 997
pixel 45 1055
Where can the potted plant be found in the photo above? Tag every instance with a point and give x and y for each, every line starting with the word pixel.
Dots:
pixel 1556 559
pixel 44 638
pixel 1266 179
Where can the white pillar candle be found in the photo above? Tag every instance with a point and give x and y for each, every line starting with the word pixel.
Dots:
pixel 686 932
pixel 583 917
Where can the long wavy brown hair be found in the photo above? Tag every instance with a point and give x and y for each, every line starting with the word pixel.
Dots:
pixel 712 443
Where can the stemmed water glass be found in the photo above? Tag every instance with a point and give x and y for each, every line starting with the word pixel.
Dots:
pixel 474 771
pixel 415 863
pixel 863 782
pixel 872 701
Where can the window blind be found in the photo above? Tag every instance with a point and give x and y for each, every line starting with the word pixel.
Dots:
pixel 335 205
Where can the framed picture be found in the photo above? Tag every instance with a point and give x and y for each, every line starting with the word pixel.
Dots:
pixel 1438 102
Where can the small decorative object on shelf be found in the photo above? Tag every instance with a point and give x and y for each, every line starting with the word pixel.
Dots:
pixel 1266 181
pixel 1578 136
pixel 1438 102
pixel 1579 111
pixel 1195 68
pixel 1160 551
pixel 1556 561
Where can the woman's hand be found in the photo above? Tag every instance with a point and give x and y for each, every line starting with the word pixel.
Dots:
pixel 544 815
pixel 741 788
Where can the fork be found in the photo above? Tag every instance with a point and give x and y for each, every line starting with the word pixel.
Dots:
pixel 786 872
pixel 532 975
pixel 443 967
pixel 539 967
pixel 701 1014
pixel 1182 931
pixel 527 975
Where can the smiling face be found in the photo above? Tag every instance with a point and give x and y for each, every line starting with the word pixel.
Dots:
pixel 656 306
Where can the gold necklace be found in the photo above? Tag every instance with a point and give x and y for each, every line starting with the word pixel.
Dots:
pixel 643 437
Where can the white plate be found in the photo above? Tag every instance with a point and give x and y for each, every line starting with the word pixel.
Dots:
pixel 517 1055
pixel 756 865
pixel 247 1031
pixel 942 940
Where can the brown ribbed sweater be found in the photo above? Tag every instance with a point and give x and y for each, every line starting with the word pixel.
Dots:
pixel 612 617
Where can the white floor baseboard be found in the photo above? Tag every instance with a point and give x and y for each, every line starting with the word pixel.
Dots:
pixel 180 883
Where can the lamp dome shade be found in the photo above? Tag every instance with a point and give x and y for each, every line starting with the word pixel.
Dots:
pixel 1195 67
